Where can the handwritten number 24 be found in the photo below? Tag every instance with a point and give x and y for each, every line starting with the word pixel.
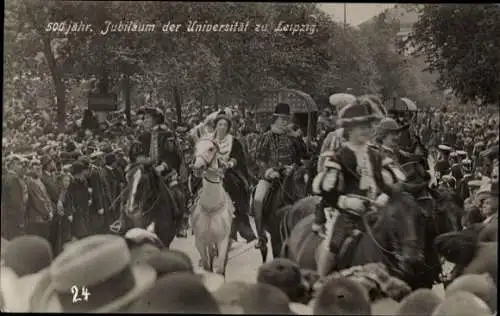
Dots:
pixel 77 296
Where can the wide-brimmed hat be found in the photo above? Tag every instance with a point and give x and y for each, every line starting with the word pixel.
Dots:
pixel 361 112
pixel 222 115
pixel 285 275
pixel 27 254
pixel 77 167
pixel 388 126
pixel 178 292
pixel 282 109
pixel 102 265
pixel 155 112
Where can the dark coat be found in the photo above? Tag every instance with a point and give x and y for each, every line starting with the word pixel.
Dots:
pixel 167 152
pixel 14 199
pixel 275 150
pixel 77 204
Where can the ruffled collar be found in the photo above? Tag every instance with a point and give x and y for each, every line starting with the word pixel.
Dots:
pixel 276 130
pixel 225 144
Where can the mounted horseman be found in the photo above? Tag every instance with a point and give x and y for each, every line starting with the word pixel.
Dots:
pixel 277 157
pixel 157 146
pixel 356 168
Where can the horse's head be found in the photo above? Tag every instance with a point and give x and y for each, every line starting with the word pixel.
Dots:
pixel 402 214
pixel 205 153
pixel 139 189
pixel 301 179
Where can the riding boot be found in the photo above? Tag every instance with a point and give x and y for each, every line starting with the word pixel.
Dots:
pixel 242 222
pixel 258 213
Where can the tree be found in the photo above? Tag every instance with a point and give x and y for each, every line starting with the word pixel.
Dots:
pixel 462 44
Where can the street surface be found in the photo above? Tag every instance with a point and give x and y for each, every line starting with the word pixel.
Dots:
pixel 244 259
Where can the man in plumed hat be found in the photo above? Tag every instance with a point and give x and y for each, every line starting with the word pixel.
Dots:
pixel 356 168
pixel 158 146
pixel 276 151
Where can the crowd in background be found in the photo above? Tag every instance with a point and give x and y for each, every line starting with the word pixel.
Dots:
pixel 36 278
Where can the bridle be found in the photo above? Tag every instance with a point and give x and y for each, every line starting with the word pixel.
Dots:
pixel 154 204
pixel 209 163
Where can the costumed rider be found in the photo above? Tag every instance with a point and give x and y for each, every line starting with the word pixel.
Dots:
pixel 356 168
pixel 386 138
pixel 231 156
pixel 277 156
pixel 334 139
pixel 157 146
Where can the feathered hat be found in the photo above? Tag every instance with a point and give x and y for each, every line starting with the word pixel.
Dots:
pixel 223 116
pixel 362 111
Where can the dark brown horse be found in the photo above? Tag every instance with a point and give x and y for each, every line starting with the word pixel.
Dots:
pixel 440 213
pixel 393 240
pixel 284 191
pixel 148 200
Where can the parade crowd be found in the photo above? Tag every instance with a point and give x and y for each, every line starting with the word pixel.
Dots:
pixel 61 193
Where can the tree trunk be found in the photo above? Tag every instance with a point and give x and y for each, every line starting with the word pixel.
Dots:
pixel 127 90
pixel 59 85
pixel 178 105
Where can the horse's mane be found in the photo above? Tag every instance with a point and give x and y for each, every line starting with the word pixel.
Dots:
pixel 398 206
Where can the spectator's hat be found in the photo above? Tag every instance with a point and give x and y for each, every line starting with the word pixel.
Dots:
pixel 77 167
pixel 480 285
pixel 263 298
pixel 420 302
pixel 101 266
pixel 388 126
pixel 177 292
pixel 462 154
pixel 285 275
pixel 27 254
pixel 462 304
pixel 445 149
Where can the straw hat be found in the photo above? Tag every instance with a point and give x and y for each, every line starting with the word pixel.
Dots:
pixel 102 264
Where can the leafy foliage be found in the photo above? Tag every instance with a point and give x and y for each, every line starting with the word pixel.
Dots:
pixel 201 67
pixel 462 44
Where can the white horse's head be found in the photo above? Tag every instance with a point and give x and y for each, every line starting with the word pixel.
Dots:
pixel 205 153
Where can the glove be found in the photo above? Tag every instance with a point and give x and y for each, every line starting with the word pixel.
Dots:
pixel 70 218
pixel 100 211
pixel 352 203
pixel 317 228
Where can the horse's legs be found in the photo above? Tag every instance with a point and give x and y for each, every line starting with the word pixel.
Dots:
pixel 223 251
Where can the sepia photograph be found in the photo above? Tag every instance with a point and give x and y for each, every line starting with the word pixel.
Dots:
pixel 250 158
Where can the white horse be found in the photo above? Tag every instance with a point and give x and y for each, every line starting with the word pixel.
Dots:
pixel 212 217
